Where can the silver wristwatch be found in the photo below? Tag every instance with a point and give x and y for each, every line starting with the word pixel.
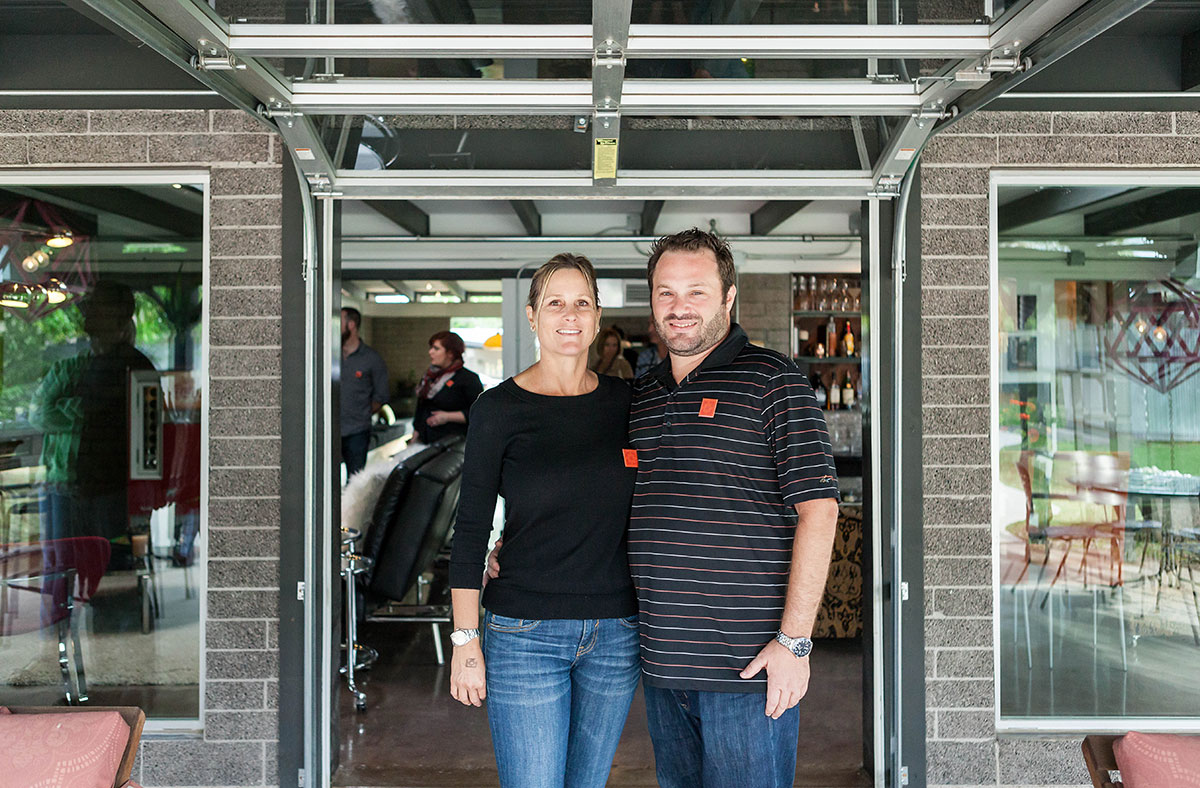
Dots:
pixel 461 637
pixel 801 647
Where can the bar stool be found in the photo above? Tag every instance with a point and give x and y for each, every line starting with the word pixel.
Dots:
pixel 358 656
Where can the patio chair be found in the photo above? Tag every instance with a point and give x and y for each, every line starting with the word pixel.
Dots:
pixel 1100 761
pixel 134 717
pixel 40 584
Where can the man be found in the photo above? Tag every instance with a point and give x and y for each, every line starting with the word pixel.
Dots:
pixel 364 391
pixel 652 356
pixel 730 533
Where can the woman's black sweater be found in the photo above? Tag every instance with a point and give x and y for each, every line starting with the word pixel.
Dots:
pixel 561 466
pixel 459 393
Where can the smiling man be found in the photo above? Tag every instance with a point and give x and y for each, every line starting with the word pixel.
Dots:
pixel 730 534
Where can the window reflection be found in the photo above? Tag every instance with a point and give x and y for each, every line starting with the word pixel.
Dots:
pixel 100 402
pixel 1097 510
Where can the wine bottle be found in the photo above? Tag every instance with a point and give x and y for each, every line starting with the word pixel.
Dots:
pixel 835 394
pixel 818 389
pixel 831 338
pixel 848 341
pixel 847 393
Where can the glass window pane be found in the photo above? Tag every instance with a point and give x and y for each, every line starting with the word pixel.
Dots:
pixel 100 403
pixel 1097 503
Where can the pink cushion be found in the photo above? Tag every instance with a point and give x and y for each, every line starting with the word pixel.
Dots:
pixel 61 750
pixel 1158 760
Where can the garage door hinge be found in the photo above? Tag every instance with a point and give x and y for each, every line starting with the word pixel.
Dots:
pixel 299 590
pixel 903 591
pixel 904 775
pixel 300 778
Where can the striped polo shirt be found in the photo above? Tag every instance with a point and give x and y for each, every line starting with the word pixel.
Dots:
pixel 723 457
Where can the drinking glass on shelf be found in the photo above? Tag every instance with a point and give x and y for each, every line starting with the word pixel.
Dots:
pixel 803 301
pixel 844 296
pixel 856 303
pixel 822 297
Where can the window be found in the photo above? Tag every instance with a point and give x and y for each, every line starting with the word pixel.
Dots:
pixel 101 445
pixel 1096 453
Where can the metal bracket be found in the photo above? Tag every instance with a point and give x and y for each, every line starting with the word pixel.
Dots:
pixel 299 590
pixel 320 186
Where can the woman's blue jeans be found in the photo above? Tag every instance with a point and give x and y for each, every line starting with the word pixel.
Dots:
pixel 558 692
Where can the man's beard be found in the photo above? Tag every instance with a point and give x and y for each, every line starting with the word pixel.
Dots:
pixel 710 335
pixel 345 337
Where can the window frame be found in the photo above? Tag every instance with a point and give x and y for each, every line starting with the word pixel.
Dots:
pixel 124 176
pixel 1052 178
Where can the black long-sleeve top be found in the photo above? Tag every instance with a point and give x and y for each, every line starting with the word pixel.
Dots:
pixel 459 393
pixel 563 466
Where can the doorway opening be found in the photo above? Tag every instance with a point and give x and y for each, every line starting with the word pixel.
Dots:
pixel 398 726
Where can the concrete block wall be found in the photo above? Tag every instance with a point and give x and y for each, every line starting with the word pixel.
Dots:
pixel 240 653
pixel 963 748
pixel 764 309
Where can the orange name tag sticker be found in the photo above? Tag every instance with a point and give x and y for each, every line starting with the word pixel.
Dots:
pixel 630 457
pixel 449 383
pixel 708 408
pixel 358 373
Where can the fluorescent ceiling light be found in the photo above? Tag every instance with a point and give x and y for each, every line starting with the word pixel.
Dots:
pixel 392 298
pixel 485 298
pixel 152 248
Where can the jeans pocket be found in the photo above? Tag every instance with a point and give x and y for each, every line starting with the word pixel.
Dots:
pixel 498 623
pixel 629 621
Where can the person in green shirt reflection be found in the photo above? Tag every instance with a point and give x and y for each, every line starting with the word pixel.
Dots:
pixel 82 407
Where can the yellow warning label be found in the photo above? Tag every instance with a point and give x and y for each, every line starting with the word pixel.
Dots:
pixel 604 160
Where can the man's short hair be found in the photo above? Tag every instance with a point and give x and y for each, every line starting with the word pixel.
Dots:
pixel 694 240
pixel 353 315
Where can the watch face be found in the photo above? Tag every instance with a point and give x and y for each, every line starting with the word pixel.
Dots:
pixel 803 647
pixel 461 638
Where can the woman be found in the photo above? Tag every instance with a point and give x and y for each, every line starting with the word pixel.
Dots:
pixel 609 360
pixel 446 392
pixel 558 662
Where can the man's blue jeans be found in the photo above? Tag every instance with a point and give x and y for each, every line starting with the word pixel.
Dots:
pixel 558 692
pixel 720 739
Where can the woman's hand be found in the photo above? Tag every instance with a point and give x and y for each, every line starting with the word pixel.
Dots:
pixel 468 682
pixel 439 417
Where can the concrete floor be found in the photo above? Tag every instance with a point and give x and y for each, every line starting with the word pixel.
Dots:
pixel 414 735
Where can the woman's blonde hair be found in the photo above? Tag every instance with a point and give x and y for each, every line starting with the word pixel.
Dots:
pixel 557 263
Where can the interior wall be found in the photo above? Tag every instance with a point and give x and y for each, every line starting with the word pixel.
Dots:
pixel 238 746
pixel 404 344
pixel 963 748
pixel 764 310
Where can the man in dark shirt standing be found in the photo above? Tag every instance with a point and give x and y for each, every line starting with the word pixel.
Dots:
pixel 730 534
pixel 364 391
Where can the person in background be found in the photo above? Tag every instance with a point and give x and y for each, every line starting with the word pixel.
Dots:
pixel 364 391
pixel 609 360
pixel 652 356
pixel 82 407
pixel 446 392
pixel 558 664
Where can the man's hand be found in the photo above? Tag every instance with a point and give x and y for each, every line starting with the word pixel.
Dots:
pixel 436 418
pixel 787 677
pixel 468 682
pixel 493 562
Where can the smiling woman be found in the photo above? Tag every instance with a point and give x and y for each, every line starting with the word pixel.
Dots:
pixel 552 440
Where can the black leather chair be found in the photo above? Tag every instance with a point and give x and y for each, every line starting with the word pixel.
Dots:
pixel 423 517
pixel 383 518
pixel 417 519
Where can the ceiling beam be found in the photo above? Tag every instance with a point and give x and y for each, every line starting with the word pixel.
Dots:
pixel 1153 208
pixel 404 213
pixel 527 212
pixel 774 213
pixel 650 211
pixel 129 204
pixel 1053 201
